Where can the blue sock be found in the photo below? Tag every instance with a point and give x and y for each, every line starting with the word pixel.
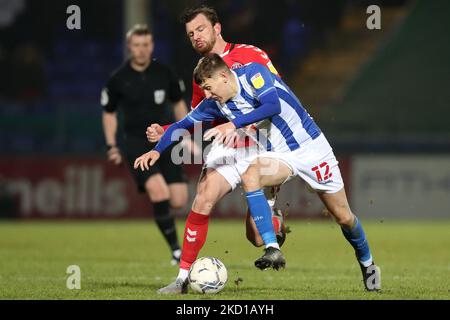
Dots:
pixel 357 238
pixel 262 215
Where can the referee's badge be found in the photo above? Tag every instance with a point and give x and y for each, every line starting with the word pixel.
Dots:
pixel 160 95
pixel 257 81
pixel 104 99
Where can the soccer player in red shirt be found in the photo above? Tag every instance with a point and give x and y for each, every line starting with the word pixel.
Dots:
pixel 204 32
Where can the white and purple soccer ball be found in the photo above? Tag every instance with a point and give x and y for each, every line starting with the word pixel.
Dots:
pixel 207 275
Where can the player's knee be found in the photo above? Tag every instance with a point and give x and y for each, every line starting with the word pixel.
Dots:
pixel 158 198
pixel 179 201
pixel 251 180
pixel 203 202
pixel 177 204
pixel 157 190
pixel 178 196
pixel 344 216
pixel 157 194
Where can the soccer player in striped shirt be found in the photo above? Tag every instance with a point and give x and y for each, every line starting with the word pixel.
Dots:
pixel 293 146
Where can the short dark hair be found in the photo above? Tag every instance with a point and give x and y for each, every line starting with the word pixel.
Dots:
pixel 139 30
pixel 208 66
pixel 190 13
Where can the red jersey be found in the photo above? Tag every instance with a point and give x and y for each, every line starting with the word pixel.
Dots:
pixel 235 56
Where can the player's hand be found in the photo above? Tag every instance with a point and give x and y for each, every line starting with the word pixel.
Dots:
pixel 224 133
pixel 147 160
pixel 114 155
pixel 154 132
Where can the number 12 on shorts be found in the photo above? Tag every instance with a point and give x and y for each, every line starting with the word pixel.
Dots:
pixel 322 172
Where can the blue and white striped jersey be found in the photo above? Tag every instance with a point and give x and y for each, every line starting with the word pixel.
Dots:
pixel 282 132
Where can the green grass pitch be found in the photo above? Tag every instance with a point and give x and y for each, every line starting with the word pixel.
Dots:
pixel 130 260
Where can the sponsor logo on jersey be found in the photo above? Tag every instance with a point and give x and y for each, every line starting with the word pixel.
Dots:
pixel 160 95
pixel 272 68
pixel 236 65
pixel 257 81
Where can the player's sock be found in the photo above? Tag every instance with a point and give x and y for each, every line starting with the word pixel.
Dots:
pixel 183 274
pixel 276 223
pixel 194 238
pixel 262 215
pixel 176 254
pixel 357 238
pixel 166 223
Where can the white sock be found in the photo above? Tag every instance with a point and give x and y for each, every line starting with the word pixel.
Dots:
pixel 367 263
pixel 273 245
pixel 176 253
pixel 183 274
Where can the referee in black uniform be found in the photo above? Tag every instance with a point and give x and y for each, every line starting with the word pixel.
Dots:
pixel 146 91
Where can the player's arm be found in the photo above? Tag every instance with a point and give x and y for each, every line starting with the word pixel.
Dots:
pixel 206 111
pixel 269 105
pixel 109 101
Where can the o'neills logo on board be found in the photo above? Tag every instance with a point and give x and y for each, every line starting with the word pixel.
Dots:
pixel 80 188
pixel 79 191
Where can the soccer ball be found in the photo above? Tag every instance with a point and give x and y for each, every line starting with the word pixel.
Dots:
pixel 207 275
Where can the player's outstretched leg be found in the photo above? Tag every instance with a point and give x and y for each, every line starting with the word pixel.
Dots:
pixel 195 233
pixel 356 237
pixel 211 188
pixel 353 231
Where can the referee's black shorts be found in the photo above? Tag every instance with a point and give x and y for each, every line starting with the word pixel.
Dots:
pixel 137 146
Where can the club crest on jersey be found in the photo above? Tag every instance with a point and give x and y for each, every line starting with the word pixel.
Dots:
pixel 257 81
pixel 160 95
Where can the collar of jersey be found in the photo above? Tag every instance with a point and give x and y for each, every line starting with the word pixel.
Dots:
pixel 227 51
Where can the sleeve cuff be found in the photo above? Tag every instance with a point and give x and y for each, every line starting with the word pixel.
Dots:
pixel 237 123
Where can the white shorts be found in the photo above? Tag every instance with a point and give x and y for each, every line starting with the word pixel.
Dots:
pixel 231 163
pixel 315 163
